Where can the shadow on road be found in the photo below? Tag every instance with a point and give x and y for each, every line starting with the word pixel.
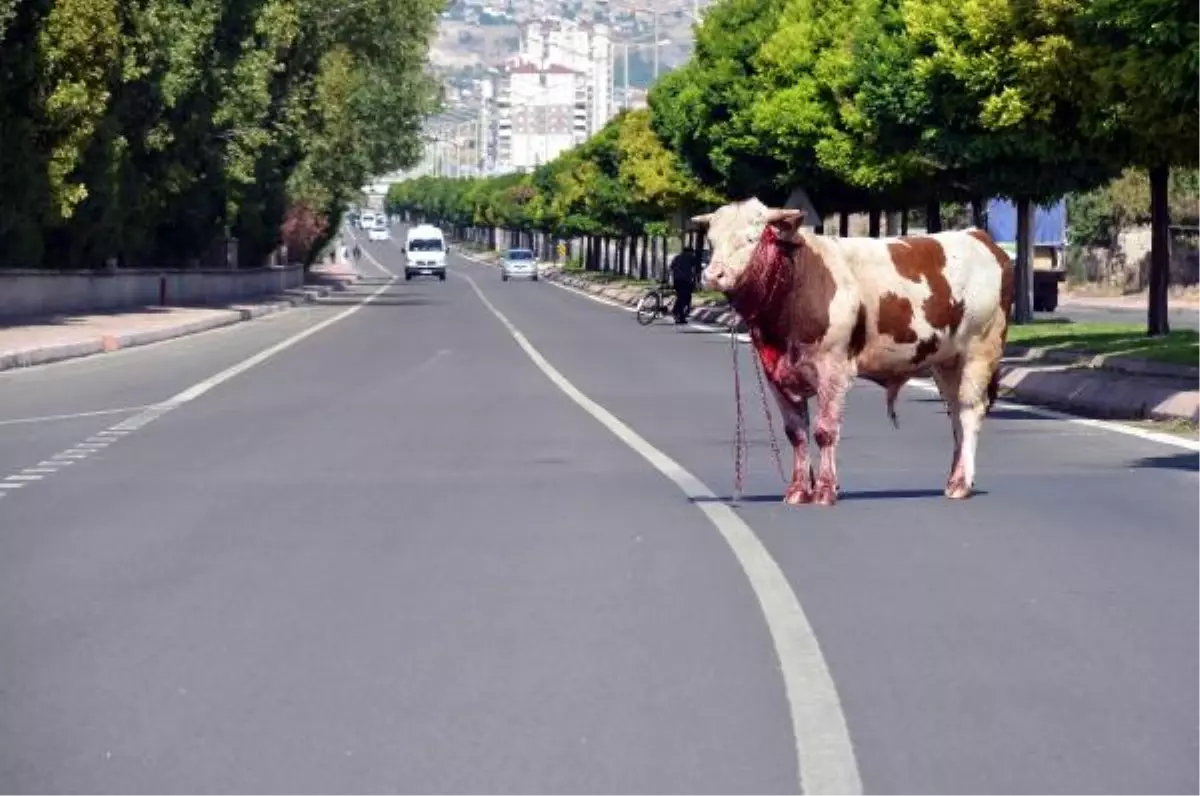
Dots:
pixel 865 494
pixel 385 300
pixel 1174 461
pixel 997 412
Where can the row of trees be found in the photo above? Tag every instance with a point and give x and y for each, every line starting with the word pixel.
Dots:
pixel 620 192
pixel 877 105
pixel 155 132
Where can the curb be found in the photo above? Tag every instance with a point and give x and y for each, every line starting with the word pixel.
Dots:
pixel 107 343
pixel 1068 381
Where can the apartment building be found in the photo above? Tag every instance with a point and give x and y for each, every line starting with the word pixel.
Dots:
pixel 586 49
pixel 551 95
pixel 539 113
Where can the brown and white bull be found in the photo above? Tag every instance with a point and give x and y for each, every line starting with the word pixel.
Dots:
pixel 823 310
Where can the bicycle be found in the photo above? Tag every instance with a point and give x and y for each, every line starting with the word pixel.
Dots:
pixel 658 302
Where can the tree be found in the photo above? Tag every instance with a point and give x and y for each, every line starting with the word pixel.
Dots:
pixel 703 111
pixel 989 94
pixel 657 182
pixel 151 131
pixel 1145 103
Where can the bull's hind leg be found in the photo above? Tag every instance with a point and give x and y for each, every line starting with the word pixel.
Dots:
pixel 969 385
pixel 948 377
pixel 983 359
pixel 795 425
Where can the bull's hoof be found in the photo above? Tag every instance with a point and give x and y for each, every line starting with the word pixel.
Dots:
pixel 826 495
pixel 957 489
pixel 798 495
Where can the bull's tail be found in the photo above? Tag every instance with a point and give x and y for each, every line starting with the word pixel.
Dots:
pixel 993 389
pixel 893 390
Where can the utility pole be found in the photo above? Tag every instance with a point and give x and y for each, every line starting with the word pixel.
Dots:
pixel 625 96
pixel 655 13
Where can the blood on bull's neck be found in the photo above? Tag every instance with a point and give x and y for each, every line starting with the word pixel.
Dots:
pixel 762 291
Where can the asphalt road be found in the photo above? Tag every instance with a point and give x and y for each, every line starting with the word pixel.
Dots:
pixel 395 556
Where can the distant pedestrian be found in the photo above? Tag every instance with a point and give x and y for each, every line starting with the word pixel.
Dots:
pixel 357 252
pixel 684 267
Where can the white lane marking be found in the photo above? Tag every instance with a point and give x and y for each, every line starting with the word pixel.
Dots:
pixel 24 477
pixel 386 271
pixel 824 752
pixel 121 353
pixel 98 441
pixel 98 413
pixel 927 385
pixel 44 470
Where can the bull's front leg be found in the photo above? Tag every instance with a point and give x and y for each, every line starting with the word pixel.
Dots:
pixel 833 384
pixel 795 426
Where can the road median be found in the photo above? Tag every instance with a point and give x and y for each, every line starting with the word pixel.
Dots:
pixel 1097 370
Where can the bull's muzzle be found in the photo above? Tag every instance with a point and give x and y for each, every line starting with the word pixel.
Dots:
pixel 713 277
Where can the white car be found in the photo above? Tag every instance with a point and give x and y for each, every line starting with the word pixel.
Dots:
pixel 519 264
pixel 379 233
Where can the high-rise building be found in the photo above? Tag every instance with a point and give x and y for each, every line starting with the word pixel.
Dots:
pixel 536 113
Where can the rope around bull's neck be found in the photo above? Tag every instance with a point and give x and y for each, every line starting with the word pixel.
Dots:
pixel 740 446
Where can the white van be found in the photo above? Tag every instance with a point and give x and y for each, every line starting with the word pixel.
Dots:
pixel 379 230
pixel 424 252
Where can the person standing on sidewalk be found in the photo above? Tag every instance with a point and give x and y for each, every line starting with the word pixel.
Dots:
pixel 683 278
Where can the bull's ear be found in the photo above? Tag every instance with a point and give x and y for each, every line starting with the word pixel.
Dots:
pixel 702 220
pixel 785 219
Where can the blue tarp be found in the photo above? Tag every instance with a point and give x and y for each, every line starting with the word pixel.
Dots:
pixel 1049 223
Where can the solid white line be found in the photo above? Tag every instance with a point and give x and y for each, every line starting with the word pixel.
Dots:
pixel 198 389
pixel 97 413
pixel 386 271
pixel 925 385
pixel 824 752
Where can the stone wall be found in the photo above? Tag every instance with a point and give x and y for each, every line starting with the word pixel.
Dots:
pixel 26 293
pixel 1127 264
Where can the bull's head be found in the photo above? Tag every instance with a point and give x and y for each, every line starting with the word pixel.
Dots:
pixel 734 231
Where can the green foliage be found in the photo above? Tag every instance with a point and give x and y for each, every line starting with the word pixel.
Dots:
pixel 621 182
pixel 1144 95
pixel 150 130
pixel 1097 216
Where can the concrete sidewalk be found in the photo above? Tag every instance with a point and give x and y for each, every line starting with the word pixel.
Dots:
pixel 1133 301
pixel 1112 388
pixel 37 341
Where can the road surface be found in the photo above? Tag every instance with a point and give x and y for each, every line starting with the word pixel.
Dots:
pixel 404 553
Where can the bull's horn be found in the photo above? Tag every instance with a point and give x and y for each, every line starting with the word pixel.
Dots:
pixel 702 220
pixel 777 214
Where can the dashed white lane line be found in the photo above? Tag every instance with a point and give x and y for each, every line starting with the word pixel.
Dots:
pixel 388 272
pixel 927 386
pixel 824 753
pixel 102 440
